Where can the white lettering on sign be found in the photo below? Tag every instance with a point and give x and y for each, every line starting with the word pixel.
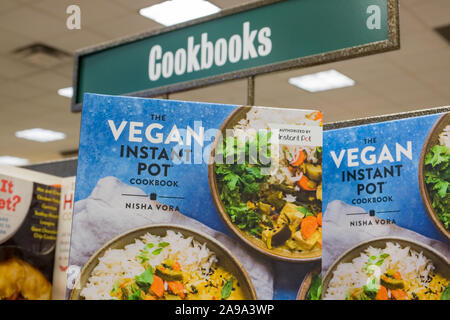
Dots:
pixel 202 56
pixel 74 20
pixel 370 156
pixel 374 20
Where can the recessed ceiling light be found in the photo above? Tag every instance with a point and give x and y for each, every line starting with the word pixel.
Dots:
pixel 321 81
pixel 176 11
pixel 41 135
pixel 66 92
pixel 12 161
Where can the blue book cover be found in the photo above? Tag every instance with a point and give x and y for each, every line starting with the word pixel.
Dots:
pixel 387 213
pixel 187 200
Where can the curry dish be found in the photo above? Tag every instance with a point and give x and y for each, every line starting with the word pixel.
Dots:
pixel 279 207
pixel 170 282
pixel 21 281
pixel 172 267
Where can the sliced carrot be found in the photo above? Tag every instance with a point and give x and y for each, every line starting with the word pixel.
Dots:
pixel 306 184
pixel 319 218
pixel 157 286
pixel 176 287
pixel 397 275
pixel 176 266
pixel 399 294
pixel 308 226
pixel 319 242
pixel 382 294
pixel 300 159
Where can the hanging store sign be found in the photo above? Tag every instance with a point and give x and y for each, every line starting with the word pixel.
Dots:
pixel 257 38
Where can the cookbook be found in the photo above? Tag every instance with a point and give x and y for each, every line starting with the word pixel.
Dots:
pixel 386 210
pixel 184 200
pixel 30 231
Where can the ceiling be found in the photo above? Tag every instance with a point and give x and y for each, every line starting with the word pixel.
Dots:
pixel 416 76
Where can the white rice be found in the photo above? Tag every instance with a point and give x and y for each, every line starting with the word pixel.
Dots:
pixel 413 266
pixel 444 137
pixel 116 264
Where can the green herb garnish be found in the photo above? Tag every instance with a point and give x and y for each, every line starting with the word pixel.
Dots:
pixel 315 289
pixel 371 289
pixel 305 211
pixel 145 279
pixel 115 287
pixel 136 295
pixel 226 289
pixel 437 179
pixel 446 293
pixel 240 180
pixel 157 251
pixel 163 244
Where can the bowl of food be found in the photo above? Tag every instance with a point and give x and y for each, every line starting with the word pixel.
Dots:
pixel 311 286
pixel 274 206
pixel 434 174
pixel 163 262
pixel 20 278
pixel 388 269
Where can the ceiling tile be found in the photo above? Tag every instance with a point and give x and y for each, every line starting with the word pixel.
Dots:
pixel 15 89
pixel 33 23
pixel 12 69
pixel 435 13
pixel 135 5
pixel 65 70
pixel 73 40
pixel 11 41
pixel 8 5
pixel 421 42
pixel 53 102
pixel 48 80
pixel 114 29
pixel 416 63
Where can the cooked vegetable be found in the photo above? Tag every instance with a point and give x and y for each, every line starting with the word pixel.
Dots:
pixel 168 274
pixel 176 288
pixel 371 288
pixel 314 171
pixel 389 281
pixel 307 184
pixel 308 226
pixel 157 286
pixel 382 294
pixel 399 294
pixel 319 218
pixel 280 235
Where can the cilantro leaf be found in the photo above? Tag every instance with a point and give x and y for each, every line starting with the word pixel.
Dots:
pixel 145 279
pixel 227 288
